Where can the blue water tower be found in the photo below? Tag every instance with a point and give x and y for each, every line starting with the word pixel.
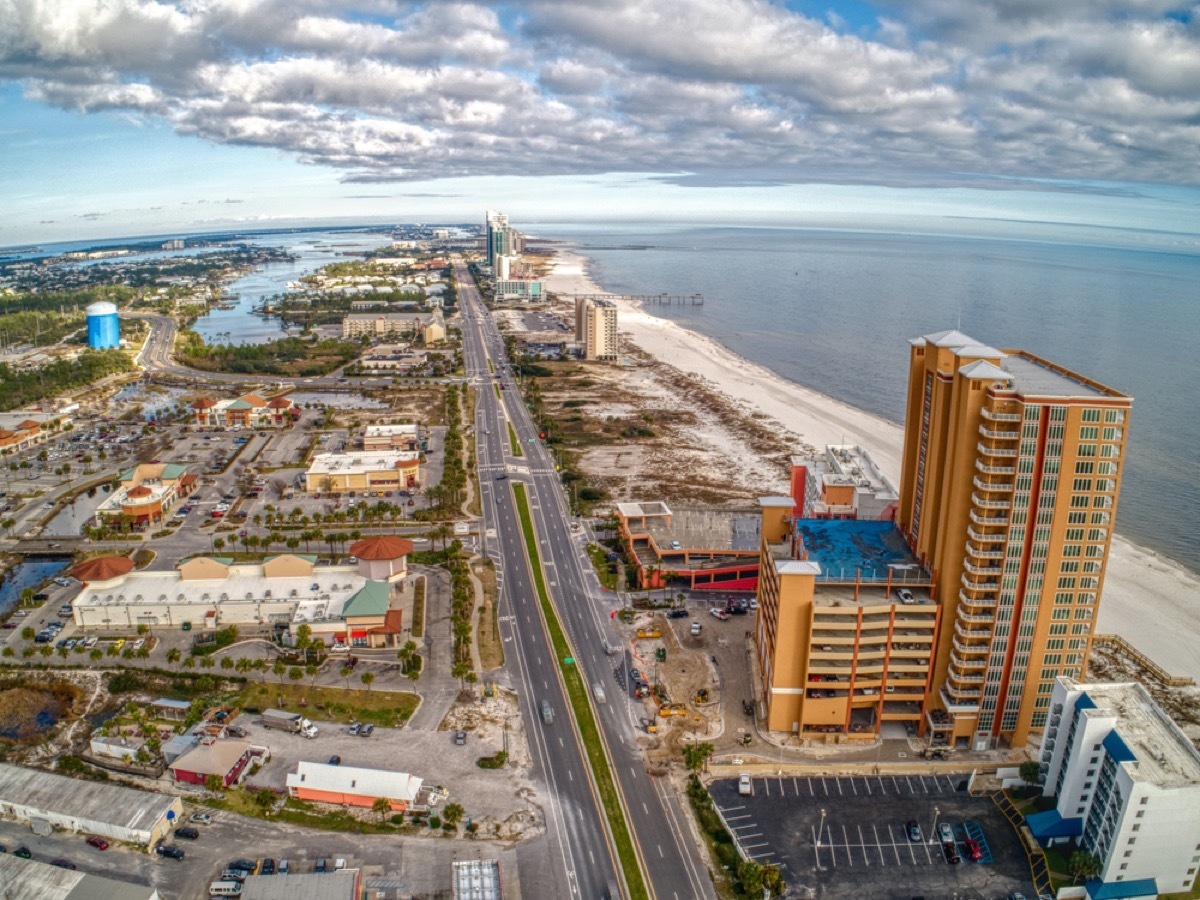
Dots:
pixel 104 330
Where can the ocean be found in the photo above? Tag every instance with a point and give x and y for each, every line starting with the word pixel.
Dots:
pixel 834 311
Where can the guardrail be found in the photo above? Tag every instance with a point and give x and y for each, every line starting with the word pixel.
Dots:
pixel 1039 869
pixel 1160 674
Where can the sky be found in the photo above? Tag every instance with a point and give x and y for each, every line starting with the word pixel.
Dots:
pixel 124 117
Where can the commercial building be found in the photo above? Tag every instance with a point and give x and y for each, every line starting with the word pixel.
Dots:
pixel 103 326
pixel 30 878
pixel 498 238
pixel 226 759
pixel 247 411
pixel 352 786
pixel 596 327
pixel 48 801
pixel 1126 784
pixel 358 470
pixel 526 290
pixel 343 884
pixel 476 879
pixel 706 547
pixel 427 328
pixel 1008 494
pixel 383 558
pixel 844 483
pixel 845 629
pixel 21 436
pixel 147 494
pixel 391 437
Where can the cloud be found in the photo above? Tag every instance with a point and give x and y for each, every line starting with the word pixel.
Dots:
pixel 727 90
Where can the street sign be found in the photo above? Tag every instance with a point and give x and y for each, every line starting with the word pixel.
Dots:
pixel 568 660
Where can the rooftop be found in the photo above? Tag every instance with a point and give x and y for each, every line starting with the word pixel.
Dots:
pixel 212 757
pixel 850 549
pixel 477 879
pixel 361 461
pixel 120 806
pixel 1162 753
pixel 31 878
pixel 639 510
pixel 340 885
pixel 1032 375
pixel 399 786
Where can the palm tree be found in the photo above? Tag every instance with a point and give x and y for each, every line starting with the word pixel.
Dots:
pixel 367 678
pixel 695 756
pixel 346 672
pixel 173 655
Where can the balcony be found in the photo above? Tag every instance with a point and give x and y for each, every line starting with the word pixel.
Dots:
pixel 961 680
pixel 989 521
pixel 986 450
pixel 983 467
pixel 1006 434
pixel 971 648
pixel 971 585
pixel 980 602
pixel 977 552
pixel 956 706
pixel 960 663
pixel 982 571
pixel 972 634
pixel 979 501
pixel 991 486
pixel 994 416
pixel 984 538
pixel 962 694
pixel 975 619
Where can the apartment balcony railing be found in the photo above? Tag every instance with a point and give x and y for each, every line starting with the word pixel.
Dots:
pixel 960 662
pixel 983 467
pixel 994 416
pixel 977 552
pixel 972 634
pixel 982 571
pixel 991 486
pixel 987 450
pixel 976 619
pixel 984 538
pixel 971 649
pixel 982 601
pixel 989 521
pixel 982 502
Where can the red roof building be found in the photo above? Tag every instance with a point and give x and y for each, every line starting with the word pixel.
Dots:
pixel 383 558
pixel 103 568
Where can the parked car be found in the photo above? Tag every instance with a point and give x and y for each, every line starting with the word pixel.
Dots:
pixel 913 829
pixel 23 852
pixel 677 614
pixel 950 851
pixel 245 865
pixel 460 738
pixel 745 785
pixel 335 760
pixel 367 730
pixel 267 868
pixel 187 833
pixel 353 729
pixel 718 614
pixel 321 866
pixel 945 833
pixel 98 842
pixel 63 863
pixel 974 850
pixel 904 595
pixel 170 851
pixel 201 818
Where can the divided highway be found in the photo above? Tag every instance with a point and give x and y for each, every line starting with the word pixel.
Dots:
pixel 661 828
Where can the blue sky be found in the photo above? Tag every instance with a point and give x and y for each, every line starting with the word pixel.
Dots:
pixel 138 116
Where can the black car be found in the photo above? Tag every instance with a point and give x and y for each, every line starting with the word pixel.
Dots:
pixel 170 851
pixel 677 614
pixel 187 833
pixel 335 760
pixel 63 863
pixel 268 867
pixel 246 865
pixel 321 866
pixel 24 853
pixel 913 829
pixel 951 853
pixel 366 730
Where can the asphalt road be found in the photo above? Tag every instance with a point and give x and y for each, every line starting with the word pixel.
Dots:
pixel 661 830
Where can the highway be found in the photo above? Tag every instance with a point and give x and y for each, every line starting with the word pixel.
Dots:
pixel 662 829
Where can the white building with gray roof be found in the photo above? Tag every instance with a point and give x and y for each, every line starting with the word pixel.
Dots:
pixel 28 878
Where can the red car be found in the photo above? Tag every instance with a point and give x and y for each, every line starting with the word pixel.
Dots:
pixel 974 851
pixel 98 843
pixel 218 514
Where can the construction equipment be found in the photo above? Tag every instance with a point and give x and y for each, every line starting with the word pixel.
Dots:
pixel 650 725
pixel 702 695
pixel 648 633
pixel 661 654
pixel 672 709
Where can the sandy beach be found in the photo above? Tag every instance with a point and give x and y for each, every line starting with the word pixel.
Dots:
pixel 1151 601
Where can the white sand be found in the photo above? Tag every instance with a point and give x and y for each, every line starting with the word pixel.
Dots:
pixel 1151 601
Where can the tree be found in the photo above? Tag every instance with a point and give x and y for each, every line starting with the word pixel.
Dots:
pixel 27 633
pixel 214 783
pixel 295 673
pixel 280 669
pixel 1030 772
pixel 383 806
pixel 367 678
pixel 173 655
pixel 206 662
pixel 751 876
pixel 695 756
pixel 452 814
pixel 346 672
pixel 772 879
pixel 460 671
pixel 227 662
pixel 1083 865
pixel 304 639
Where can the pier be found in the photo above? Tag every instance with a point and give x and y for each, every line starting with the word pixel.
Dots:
pixel 665 299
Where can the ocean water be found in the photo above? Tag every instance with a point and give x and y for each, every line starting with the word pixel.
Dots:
pixel 834 310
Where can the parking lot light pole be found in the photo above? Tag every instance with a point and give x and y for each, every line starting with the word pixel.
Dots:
pixel 821 829
pixel 933 831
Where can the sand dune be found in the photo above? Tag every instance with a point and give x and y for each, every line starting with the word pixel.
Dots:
pixel 1151 601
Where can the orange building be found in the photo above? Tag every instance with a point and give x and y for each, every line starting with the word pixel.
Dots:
pixel 1010 477
pixel 22 437
pixel 352 786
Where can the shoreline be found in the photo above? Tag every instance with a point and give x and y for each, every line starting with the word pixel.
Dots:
pixel 1150 600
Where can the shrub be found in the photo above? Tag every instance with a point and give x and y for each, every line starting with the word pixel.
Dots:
pixel 125 682
pixel 435 822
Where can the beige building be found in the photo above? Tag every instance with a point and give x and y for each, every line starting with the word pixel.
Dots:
pixel 596 327
pixel 358 470
pixel 391 437
pixel 1010 478
pixel 428 328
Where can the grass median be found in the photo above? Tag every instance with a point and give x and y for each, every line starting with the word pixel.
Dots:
pixel 588 729
pixel 514 442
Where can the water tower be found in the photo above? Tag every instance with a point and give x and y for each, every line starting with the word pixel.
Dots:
pixel 104 331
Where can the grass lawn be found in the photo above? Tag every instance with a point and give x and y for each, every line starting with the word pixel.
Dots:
pixel 418 615
pixel 599 557
pixel 331 704
pixel 513 443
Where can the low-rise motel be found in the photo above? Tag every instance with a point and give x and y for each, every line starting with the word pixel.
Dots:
pixel 957 618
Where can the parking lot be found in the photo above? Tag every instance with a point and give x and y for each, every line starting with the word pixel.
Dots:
pixel 846 837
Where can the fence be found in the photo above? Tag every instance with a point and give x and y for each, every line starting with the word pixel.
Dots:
pixel 1160 674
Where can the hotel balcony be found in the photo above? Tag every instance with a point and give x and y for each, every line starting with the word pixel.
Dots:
pixel 956 706
pixel 986 450
pixel 976 619
pixel 978 552
pixel 962 694
pixel 971 584
pixel 983 467
pixel 979 601
pixel 993 416
pixel 978 500
pixel 989 521
pixel 971 648
pixel 985 538
pixel 982 571
pixel 1006 486
pixel 966 680
pixel 1007 434
pixel 972 634
pixel 961 663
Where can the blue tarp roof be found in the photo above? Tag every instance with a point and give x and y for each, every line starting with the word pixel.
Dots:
pixel 1118 749
pixel 1051 824
pixel 846 546
pixel 1121 890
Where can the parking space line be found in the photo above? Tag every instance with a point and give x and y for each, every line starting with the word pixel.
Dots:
pixel 767 787
pixel 808 781
pixel 878 845
pixel 846 839
pixel 867 785
pixel 782 789
pixel 838 782
pixel 897 784
pixel 825 785
pixel 853 788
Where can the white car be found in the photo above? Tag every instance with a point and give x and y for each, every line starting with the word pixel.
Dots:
pixel 745 786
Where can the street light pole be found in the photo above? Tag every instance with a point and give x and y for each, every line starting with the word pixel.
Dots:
pixel 933 831
pixel 821 829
